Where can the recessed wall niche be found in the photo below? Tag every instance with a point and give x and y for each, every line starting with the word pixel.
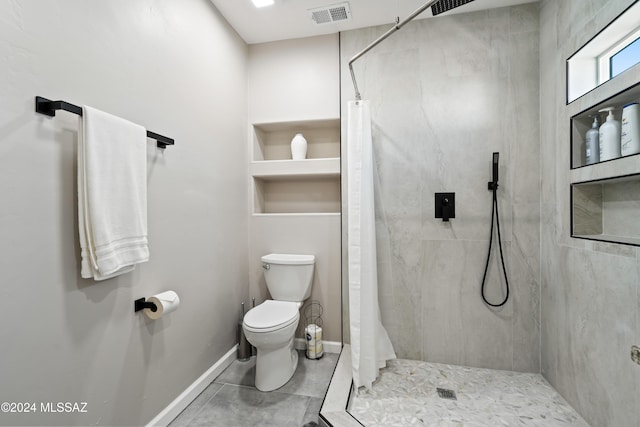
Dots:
pixel 581 123
pixel 607 210
pixel 285 186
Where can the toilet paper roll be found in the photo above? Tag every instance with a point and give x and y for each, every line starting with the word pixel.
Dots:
pixel 313 334
pixel 166 302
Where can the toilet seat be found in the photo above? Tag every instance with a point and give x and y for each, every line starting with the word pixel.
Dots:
pixel 271 316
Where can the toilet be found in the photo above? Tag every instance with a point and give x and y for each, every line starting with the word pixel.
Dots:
pixel 271 326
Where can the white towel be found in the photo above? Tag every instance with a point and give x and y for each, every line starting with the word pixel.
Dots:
pixel 112 194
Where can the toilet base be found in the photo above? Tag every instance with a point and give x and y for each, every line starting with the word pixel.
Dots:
pixel 275 367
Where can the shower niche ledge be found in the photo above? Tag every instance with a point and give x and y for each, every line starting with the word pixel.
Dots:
pixel 581 123
pixel 606 210
pixel 282 186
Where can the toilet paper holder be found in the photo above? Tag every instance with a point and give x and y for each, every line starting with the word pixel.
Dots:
pixel 141 304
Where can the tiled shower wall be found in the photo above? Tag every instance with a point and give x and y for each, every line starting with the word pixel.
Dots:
pixel 445 93
pixel 589 290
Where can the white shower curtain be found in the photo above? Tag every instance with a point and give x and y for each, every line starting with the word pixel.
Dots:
pixel 370 344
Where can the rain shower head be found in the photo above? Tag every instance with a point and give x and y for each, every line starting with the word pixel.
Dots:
pixel 446 5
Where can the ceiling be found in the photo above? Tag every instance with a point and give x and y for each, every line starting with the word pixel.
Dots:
pixel 290 19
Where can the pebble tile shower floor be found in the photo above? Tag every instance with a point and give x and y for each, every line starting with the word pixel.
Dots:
pixel 232 400
pixel 406 395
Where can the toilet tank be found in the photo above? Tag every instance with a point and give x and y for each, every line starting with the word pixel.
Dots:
pixel 288 276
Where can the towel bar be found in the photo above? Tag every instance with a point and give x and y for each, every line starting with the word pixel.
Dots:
pixel 49 107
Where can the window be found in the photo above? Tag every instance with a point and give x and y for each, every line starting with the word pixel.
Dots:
pixel 620 57
pixel 626 58
pixel 612 51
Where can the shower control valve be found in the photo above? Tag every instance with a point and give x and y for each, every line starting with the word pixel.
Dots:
pixel 445 204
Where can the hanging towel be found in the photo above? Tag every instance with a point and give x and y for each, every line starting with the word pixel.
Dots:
pixel 112 194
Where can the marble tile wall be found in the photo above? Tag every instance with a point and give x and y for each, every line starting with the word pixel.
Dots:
pixel 445 94
pixel 589 290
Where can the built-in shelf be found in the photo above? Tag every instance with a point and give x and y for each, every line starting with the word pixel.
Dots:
pixel 301 214
pixel 272 141
pixel 611 239
pixel 282 186
pixel 607 210
pixel 622 166
pixel 581 123
pixel 308 195
pixel 295 169
pixel 605 196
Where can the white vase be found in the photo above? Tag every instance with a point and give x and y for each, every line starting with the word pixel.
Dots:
pixel 298 147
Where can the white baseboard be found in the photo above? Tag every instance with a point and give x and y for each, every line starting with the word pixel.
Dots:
pixel 328 346
pixel 186 397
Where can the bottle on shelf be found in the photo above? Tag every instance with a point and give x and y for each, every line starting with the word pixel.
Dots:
pixel 592 143
pixel 298 147
pixel 630 134
pixel 609 137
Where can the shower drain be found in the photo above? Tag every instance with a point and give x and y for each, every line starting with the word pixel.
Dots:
pixel 445 393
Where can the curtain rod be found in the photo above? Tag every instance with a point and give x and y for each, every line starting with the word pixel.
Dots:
pixel 49 107
pixel 399 24
pixel 437 7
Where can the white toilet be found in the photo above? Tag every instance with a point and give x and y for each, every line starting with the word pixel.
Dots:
pixel 271 326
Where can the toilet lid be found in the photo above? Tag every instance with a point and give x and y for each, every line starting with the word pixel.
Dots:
pixel 272 314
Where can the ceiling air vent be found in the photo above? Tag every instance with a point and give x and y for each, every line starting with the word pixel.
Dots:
pixel 328 14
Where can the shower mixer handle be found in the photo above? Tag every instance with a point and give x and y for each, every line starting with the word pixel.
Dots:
pixel 446 209
pixel 445 204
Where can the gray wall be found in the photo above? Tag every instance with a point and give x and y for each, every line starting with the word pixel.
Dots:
pixel 445 94
pixel 180 70
pixel 589 317
pixel 283 77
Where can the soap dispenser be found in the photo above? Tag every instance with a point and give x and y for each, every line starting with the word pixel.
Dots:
pixel 609 137
pixel 592 143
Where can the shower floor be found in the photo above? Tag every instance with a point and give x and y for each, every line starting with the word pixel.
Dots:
pixel 406 394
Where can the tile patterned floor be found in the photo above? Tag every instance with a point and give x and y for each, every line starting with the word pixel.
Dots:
pixel 233 401
pixel 485 397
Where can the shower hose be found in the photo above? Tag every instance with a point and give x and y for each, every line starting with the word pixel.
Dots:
pixel 494 213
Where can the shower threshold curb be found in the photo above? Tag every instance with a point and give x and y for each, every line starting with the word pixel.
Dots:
pixel 333 412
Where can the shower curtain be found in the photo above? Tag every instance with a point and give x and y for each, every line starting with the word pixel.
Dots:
pixel 370 344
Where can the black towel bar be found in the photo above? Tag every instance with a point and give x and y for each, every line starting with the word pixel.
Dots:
pixel 49 107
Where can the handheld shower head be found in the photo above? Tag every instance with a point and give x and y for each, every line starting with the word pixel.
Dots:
pixel 493 184
pixel 495 167
pixel 446 5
